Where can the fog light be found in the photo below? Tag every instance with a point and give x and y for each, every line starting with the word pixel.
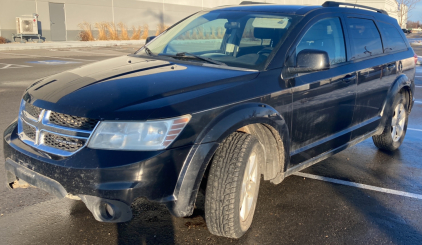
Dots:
pixel 109 210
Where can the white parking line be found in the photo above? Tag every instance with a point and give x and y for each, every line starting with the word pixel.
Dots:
pixel 358 185
pixel 418 102
pixel 16 84
pixel 43 56
pixel 418 86
pixel 414 129
pixel 11 66
pixel 86 52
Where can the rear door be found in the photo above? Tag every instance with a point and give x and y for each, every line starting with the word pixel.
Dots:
pixel 393 43
pixel 374 69
pixel 323 102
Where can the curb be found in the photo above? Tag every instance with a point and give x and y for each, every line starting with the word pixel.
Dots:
pixel 72 44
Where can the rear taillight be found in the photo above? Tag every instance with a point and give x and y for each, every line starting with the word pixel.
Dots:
pixel 416 58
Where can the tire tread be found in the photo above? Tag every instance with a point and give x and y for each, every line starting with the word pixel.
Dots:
pixel 221 186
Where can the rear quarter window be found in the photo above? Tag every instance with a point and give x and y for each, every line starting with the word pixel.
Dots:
pixel 391 38
pixel 365 38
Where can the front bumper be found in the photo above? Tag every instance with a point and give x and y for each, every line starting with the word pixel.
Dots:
pixel 98 176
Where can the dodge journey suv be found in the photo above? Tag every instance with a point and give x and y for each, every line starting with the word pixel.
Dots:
pixel 221 100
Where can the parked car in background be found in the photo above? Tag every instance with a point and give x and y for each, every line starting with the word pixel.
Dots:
pixel 407 31
pixel 223 99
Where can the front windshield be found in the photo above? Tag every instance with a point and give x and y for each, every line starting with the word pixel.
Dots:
pixel 232 38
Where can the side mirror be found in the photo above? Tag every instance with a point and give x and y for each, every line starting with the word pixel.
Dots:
pixel 309 60
pixel 149 39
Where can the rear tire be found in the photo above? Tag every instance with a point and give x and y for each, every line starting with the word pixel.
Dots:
pixel 233 185
pixel 395 129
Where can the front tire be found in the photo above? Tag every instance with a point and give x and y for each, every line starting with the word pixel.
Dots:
pixel 395 130
pixel 233 185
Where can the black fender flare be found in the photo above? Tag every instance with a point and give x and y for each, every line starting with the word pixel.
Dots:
pixel 207 142
pixel 400 82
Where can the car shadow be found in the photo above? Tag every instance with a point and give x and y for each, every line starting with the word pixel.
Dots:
pixel 151 224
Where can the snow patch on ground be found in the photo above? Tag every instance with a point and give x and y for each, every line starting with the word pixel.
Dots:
pixel 419 62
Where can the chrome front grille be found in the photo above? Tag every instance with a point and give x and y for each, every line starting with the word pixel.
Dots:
pixel 29 131
pixel 64 143
pixel 53 132
pixel 32 110
pixel 72 121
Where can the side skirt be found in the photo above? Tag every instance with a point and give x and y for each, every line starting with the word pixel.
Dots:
pixel 328 154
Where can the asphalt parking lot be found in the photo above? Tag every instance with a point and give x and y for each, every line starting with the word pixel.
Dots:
pixel 359 196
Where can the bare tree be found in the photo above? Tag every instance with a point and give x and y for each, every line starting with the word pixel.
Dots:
pixel 413 24
pixel 404 8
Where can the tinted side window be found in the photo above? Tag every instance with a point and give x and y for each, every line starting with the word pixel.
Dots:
pixel 326 35
pixel 365 38
pixel 391 38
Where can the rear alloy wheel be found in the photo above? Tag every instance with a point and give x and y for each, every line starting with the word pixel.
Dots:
pixel 396 127
pixel 233 185
pixel 397 122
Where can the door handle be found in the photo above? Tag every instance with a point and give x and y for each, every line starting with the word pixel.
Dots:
pixel 391 67
pixel 349 79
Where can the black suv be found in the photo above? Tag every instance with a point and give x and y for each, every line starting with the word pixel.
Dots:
pixel 217 100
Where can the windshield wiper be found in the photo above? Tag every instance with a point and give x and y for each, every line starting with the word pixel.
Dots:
pixel 148 51
pixel 209 60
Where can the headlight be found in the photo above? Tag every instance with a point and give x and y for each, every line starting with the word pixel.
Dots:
pixel 137 136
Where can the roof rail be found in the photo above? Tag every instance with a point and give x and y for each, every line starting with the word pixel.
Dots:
pixel 250 2
pixel 337 4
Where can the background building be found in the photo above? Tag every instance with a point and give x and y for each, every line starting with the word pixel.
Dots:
pixel 59 20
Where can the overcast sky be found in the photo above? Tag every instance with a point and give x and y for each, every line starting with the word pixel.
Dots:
pixel 416 13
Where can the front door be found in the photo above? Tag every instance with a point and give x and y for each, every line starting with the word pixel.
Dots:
pixel 323 102
pixel 57 22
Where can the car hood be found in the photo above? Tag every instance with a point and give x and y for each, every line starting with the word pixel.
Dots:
pixel 134 88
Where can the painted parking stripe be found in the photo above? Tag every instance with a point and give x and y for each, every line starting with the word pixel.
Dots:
pixel 414 129
pixel 418 102
pixel 53 62
pixel 11 66
pixel 85 52
pixel 358 185
pixel 43 56
pixel 418 86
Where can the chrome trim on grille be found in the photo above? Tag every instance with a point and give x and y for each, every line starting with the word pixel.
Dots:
pixel 30 117
pixel 42 125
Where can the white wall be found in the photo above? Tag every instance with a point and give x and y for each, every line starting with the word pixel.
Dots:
pixel 131 12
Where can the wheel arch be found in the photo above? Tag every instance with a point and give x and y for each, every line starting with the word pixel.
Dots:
pixel 258 119
pixel 402 83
